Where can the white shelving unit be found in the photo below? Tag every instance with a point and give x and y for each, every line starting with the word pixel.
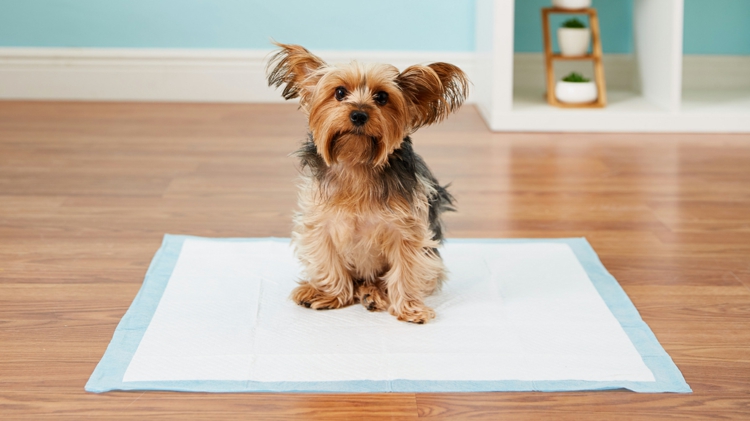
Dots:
pixel 646 92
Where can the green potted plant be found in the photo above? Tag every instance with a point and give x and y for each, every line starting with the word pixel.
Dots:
pixel 576 89
pixel 574 38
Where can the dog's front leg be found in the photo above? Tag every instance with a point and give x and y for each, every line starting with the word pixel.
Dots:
pixel 416 271
pixel 329 285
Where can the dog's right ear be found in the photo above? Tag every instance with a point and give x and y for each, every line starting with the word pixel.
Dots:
pixel 296 68
pixel 434 91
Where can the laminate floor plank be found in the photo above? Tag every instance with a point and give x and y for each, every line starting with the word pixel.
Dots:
pixel 87 190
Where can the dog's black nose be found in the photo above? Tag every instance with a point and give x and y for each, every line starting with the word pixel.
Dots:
pixel 358 118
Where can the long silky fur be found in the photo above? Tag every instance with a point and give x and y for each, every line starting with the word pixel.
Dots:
pixel 292 66
pixel 369 222
pixel 399 177
pixel 435 91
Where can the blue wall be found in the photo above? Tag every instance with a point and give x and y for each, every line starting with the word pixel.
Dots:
pixel 615 23
pixel 711 26
pixel 717 27
pixel 444 25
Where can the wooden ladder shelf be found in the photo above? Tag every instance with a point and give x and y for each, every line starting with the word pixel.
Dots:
pixel 595 56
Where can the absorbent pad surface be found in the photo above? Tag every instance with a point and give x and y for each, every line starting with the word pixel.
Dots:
pixel 215 315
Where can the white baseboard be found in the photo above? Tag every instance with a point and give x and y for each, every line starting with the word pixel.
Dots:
pixel 698 71
pixel 239 75
pixel 715 72
pixel 165 75
pixel 529 70
pixel 716 93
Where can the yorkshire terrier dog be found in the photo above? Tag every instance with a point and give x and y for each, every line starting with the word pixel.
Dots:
pixel 369 223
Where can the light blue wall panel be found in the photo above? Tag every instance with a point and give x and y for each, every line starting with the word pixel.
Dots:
pixel 717 27
pixel 711 26
pixel 615 22
pixel 443 25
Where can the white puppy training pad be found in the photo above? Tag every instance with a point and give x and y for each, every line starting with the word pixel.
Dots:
pixel 214 315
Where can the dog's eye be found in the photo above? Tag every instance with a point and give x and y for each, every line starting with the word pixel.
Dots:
pixel 381 98
pixel 340 93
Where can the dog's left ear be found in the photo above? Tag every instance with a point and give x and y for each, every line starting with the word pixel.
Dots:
pixel 433 91
pixel 296 68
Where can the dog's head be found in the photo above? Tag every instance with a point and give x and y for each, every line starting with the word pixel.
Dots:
pixel 359 114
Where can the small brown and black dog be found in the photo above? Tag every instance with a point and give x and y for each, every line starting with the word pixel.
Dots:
pixel 369 224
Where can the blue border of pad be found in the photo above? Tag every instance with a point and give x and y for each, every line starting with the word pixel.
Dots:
pixel 109 372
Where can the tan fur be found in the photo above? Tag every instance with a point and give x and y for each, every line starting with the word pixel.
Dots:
pixel 372 296
pixel 356 242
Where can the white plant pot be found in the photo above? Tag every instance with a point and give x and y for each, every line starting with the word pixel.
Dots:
pixel 571 4
pixel 576 92
pixel 573 41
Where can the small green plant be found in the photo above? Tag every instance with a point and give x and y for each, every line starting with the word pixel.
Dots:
pixel 573 23
pixel 575 77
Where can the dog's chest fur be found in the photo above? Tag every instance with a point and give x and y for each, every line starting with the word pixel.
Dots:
pixel 365 211
pixel 362 241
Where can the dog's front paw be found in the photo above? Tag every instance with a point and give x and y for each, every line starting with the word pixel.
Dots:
pixel 308 296
pixel 372 297
pixel 414 312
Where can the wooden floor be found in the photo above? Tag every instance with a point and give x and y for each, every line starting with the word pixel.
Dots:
pixel 88 190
